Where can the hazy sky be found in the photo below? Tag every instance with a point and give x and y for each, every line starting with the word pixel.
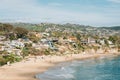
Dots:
pixel 87 12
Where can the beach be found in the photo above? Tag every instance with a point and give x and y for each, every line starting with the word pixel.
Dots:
pixel 27 69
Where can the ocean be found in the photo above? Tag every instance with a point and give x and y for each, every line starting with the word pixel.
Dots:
pixel 91 69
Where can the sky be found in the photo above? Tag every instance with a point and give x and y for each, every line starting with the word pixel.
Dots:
pixel 86 12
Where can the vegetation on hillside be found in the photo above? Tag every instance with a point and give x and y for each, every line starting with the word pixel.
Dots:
pixel 74 38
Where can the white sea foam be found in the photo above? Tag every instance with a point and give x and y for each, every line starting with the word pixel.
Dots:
pixel 66 76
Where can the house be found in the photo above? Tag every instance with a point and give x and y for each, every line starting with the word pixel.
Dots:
pixel 43 44
pixel 2 38
pixel 8 49
pixel 43 41
pixel 54 40
pixel 2 48
pixel 84 42
pixel 10 45
pixel 45 34
pixel 72 39
pixel 17 43
pixel 6 43
pixel 35 33
pixel 13 50
pixel 49 43
pixel 91 41
pixel 26 40
pixel 88 41
pixel 111 44
pixel 102 42
pixel 17 51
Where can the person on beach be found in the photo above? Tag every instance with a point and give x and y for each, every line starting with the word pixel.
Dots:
pixel 8 63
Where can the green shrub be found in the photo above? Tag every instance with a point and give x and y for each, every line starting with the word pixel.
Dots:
pixel 2 61
pixel 11 58
pixel 47 52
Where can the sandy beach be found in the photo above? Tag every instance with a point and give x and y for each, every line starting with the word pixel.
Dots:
pixel 27 69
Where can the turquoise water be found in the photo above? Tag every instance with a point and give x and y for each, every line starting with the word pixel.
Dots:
pixel 91 69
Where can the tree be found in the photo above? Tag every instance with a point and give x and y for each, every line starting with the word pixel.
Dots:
pixel 6 27
pixel 11 58
pixel 78 36
pixel 1 27
pixel 112 38
pixel 25 52
pixel 115 39
pixel 21 32
pixel 11 36
pixel 47 51
pixel 33 38
pixel 2 61
pixel 106 42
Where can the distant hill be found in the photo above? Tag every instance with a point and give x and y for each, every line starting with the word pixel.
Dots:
pixel 43 26
pixel 113 28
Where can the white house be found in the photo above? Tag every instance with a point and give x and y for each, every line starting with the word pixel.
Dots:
pixel 17 43
pixel 2 48
pixel 102 42
pixel 2 38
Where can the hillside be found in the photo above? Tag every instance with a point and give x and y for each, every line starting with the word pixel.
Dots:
pixel 113 28
pixel 73 28
pixel 43 26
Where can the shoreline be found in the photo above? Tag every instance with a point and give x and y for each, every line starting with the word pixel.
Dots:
pixel 27 69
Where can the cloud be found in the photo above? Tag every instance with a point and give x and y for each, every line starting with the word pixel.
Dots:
pixel 115 1
pixel 32 11
pixel 55 4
